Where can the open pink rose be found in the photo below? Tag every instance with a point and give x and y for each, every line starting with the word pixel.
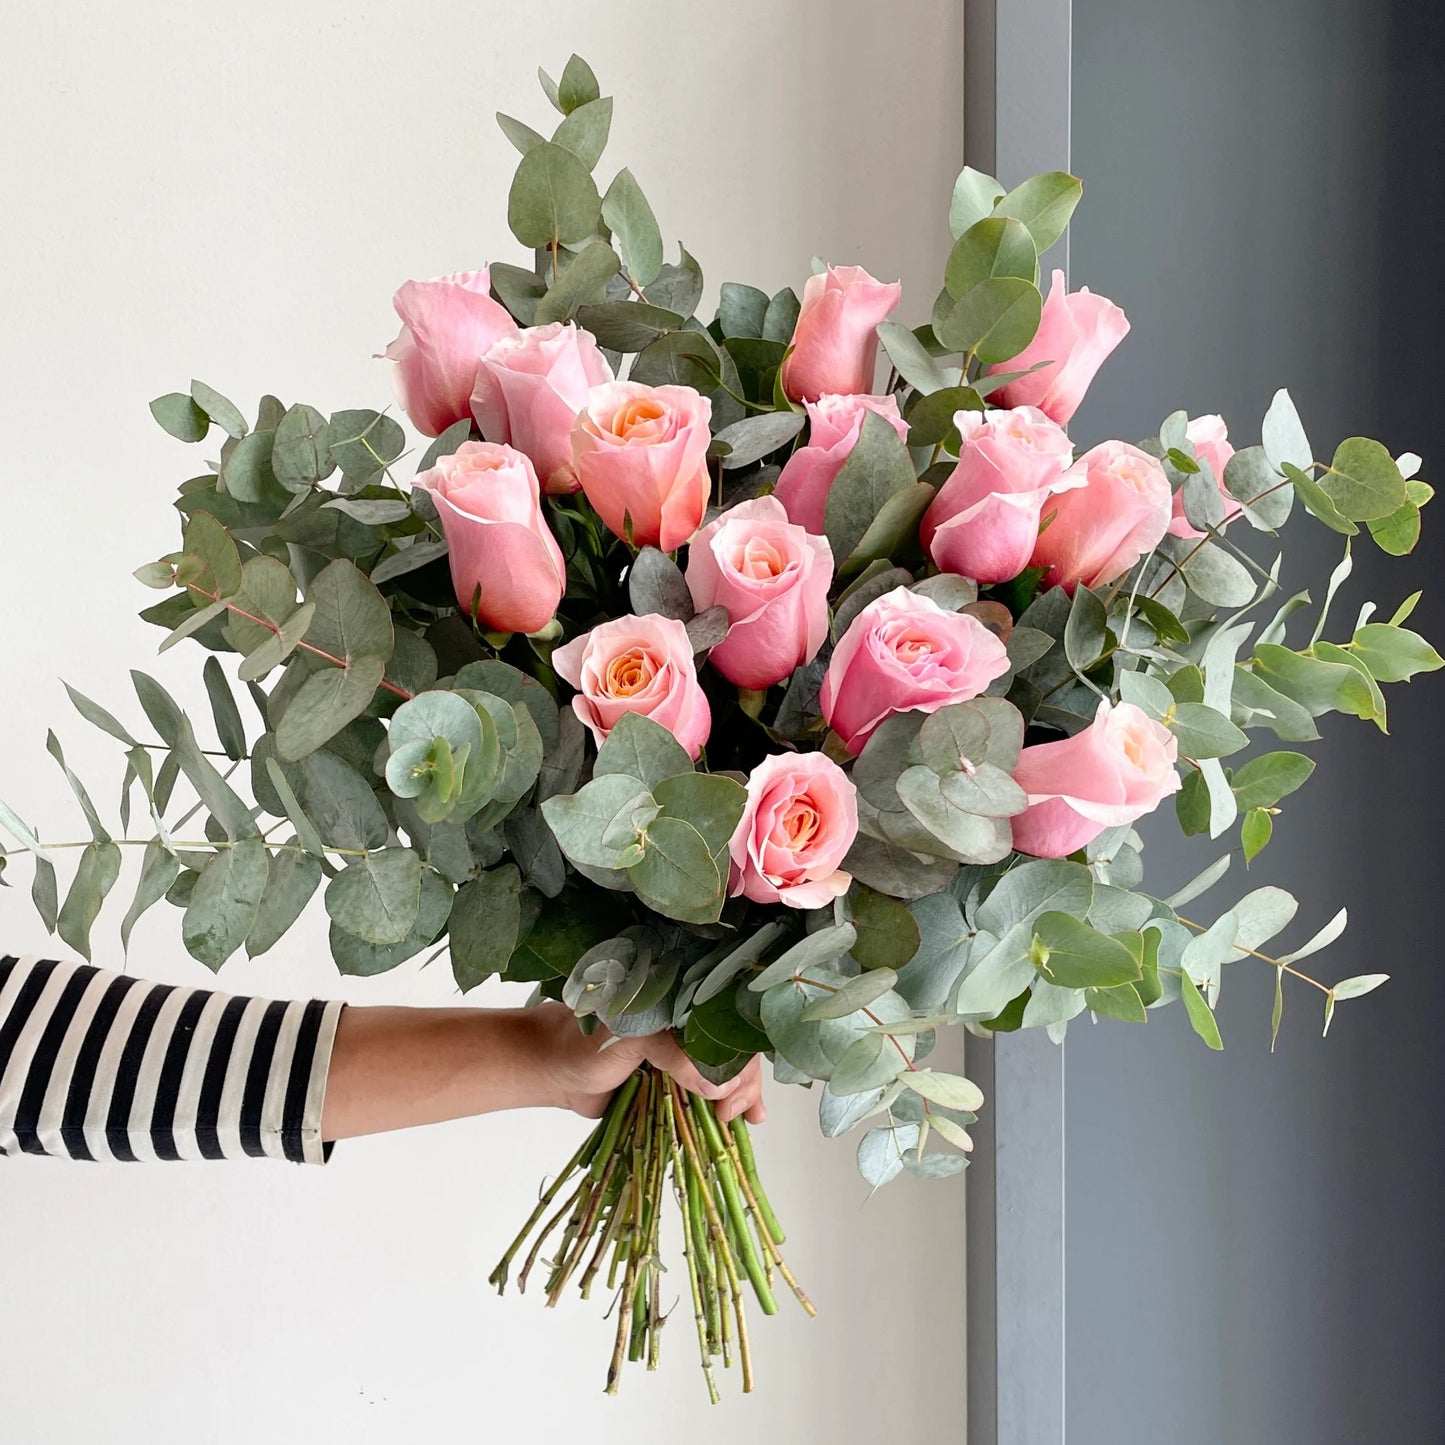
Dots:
pixel 833 426
pixel 446 325
pixel 985 520
pixel 488 500
pixel 637 664
pixel 1119 768
pixel 835 343
pixel 1076 333
pixel 905 653
pixel 1100 530
pixel 529 389
pixel 799 823
pixel 641 457
pixel 1211 444
pixel 773 579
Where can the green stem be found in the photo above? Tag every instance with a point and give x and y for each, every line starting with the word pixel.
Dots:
pixel 612 1123
pixel 744 1141
pixel 498 1276
pixel 694 1277
pixel 737 1212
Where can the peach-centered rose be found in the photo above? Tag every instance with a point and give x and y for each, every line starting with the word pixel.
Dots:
pixel 1119 768
pixel 773 578
pixel 1077 331
pixel 446 325
pixel 985 520
pixel 529 390
pixel 1101 529
pixel 497 539
pixel 835 343
pixel 641 457
pixel 833 426
pixel 799 823
pixel 905 653
pixel 1211 444
pixel 637 664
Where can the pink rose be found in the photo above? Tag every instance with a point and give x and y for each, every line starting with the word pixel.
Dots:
pixel 835 343
pixel 799 823
pixel 637 664
pixel 446 325
pixel 1076 332
pixel 489 503
pixel 773 578
pixel 985 520
pixel 641 457
pixel 1119 768
pixel 529 389
pixel 905 653
pixel 833 426
pixel 1100 530
pixel 1211 444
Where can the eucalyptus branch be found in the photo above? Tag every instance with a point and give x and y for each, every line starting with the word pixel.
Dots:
pixel 1263 958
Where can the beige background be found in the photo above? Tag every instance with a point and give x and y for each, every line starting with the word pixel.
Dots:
pixel 233 192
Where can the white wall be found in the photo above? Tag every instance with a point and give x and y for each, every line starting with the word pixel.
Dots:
pixel 233 192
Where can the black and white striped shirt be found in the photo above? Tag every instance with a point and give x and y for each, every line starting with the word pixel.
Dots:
pixel 101 1066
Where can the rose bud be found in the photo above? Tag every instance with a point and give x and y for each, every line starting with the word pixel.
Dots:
pixel 985 520
pixel 1076 333
pixel 489 503
pixel 905 653
pixel 773 579
pixel 446 326
pixel 835 343
pixel 1100 530
pixel 1119 768
pixel 637 664
pixel 1211 445
pixel 641 457
pixel 799 822
pixel 529 389
pixel 834 423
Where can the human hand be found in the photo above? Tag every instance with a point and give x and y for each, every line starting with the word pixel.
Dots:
pixel 582 1075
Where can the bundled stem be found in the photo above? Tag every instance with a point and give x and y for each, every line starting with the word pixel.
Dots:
pixel 618 1178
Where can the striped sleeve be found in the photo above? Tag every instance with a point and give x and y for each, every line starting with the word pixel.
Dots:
pixel 100 1066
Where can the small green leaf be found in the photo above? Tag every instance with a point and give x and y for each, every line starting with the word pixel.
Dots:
pixel 325 704
pixel 583 131
pixel 376 897
pixel 92 712
pixel 1393 654
pixel 1264 780
pixel 857 993
pixel 1359 985
pixel 485 924
pixel 229 728
pixel 877 469
pixel 179 415
pixel 637 747
pixel 974 195
pixel 553 200
pixel 158 870
pixel 677 874
pixel 94 878
pixel 1201 1016
pixel 950 1091
pixel 994 246
pixel 1363 481
pixel 1255 832
pixel 225 414
pixel 585 280
pixel 994 321
pixel 627 213
pixel 888 934
pixel 1077 956
pixel 578 85
pixel 224 902
pixel 1204 733
pixel 292 879
pixel 1044 204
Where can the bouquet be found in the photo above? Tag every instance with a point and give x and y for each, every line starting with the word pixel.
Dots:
pixel 707 684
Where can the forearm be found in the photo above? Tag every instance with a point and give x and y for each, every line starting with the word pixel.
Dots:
pixel 395 1068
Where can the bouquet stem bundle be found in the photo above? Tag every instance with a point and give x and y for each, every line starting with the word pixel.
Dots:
pixel 653 1133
